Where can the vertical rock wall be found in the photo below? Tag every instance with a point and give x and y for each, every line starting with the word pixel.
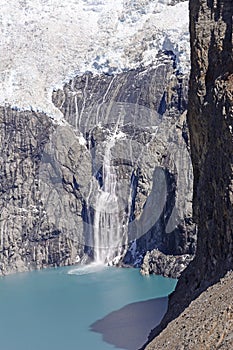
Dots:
pixel 51 175
pixel 146 110
pixel 40 211
pixel 210 119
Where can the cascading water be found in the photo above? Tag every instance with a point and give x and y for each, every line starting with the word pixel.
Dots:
pixel 107 224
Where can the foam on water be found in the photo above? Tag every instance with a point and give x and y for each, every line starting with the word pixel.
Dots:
pixel 87 269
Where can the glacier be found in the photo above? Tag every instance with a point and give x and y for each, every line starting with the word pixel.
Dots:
pixel 44 43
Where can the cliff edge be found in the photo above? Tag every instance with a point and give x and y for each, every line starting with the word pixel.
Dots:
pixel 210 119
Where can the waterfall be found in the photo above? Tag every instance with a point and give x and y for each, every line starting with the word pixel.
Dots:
pixel 107 224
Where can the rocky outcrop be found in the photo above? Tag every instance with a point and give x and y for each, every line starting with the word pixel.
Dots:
pixel 210 123
pixel 157 263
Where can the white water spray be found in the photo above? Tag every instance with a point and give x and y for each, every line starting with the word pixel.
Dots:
pixel 107 223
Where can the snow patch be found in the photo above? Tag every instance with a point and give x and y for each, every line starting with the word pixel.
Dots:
pixel 82 140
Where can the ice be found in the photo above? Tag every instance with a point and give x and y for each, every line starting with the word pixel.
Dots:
pixel 46 42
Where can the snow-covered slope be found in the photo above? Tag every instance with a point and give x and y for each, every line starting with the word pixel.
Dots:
pixel 44 42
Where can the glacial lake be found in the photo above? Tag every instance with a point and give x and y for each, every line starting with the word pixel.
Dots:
pixel 80 308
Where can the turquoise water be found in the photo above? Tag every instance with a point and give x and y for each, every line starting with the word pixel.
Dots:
pixel 74 309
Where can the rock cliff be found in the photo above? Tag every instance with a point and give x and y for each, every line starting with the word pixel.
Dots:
pixel 210 119
pixel 36 231
pixel 53 175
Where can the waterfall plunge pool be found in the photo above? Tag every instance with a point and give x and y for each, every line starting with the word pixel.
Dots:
pixel 74 308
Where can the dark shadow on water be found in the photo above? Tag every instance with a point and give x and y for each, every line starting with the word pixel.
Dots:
pixel 129 327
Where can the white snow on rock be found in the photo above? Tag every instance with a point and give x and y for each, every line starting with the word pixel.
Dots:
pixel 45 42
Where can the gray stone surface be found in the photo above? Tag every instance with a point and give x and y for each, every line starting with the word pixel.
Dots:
pixel 31 235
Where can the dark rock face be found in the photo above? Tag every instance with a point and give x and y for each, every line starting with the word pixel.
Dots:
pixel 210 119
pixel 30 238
pixel 52 175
